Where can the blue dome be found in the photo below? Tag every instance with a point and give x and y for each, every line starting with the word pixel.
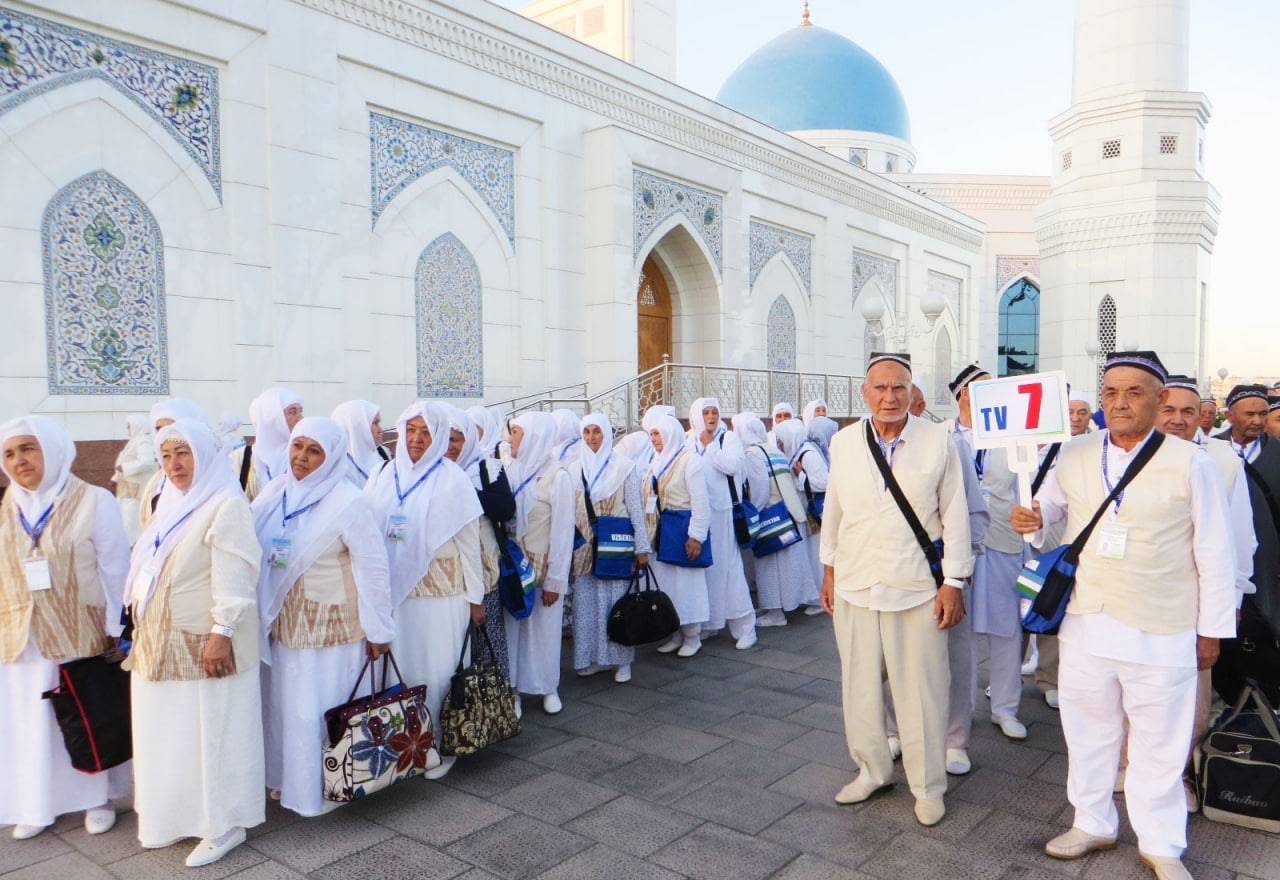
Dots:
pixel 811 78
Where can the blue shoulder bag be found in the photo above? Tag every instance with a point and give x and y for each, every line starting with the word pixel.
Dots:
pixel 1049 581
pixel 673 531
pixel 613 542
pixel 778 529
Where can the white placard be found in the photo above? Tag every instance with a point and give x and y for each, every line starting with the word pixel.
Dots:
pixel 1031 409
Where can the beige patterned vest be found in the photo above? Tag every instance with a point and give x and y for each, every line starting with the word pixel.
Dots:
pixel 489 558
pixel 673 493
pixel 149 491
pixel 169 639
pixel 251 486
pixel 444 574
pixel 536 542
pixel 321 609
pixel 66 621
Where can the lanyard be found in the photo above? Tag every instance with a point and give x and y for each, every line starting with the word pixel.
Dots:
pixel 422 479
pixel 34 532
pixel 666 467
pixel 160 539
pixel 285 516
pixel 1246 451
pixel 1106 471
pixel 568 446
pixel 980 462
pixel 527 480
pixel 362 471
pixel 702 450
pixel 600 473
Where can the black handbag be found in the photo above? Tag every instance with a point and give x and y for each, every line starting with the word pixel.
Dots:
pixel 91 703
pixel 480 709
pixel 1238 766
pixel 1251 658
pixel 643 614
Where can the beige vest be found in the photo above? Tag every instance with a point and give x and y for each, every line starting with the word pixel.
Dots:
pixel 149 491
pixel 673 494
pixel 489 557
pixel 444 574
pixel 67 621
pixel 536 542
pixel 169 639
pixel 1155 587
pixel 1227 461
pixel 321 609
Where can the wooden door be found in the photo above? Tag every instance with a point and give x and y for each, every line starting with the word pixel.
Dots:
pixel 653 317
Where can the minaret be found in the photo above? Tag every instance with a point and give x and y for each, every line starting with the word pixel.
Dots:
pixel 1126 234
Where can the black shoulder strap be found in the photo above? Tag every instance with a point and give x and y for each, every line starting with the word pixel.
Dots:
pixel 245 461
pixel 586 496
pixel 382 451
pixel 484 476
pixel 1145 454
pixel 1045 466
pixel 913 521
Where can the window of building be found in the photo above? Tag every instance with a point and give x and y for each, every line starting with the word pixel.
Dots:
pixel 1111 148
pixel 858 156
pixel 1019 345
pixel 450 322
pixel 1066 160
pixel 1168 144
pixel 1106 333
pixel 781 341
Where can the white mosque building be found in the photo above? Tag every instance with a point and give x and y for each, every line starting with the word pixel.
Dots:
pixel 391 199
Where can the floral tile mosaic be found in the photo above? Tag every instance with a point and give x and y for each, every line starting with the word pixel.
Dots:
pixel 867 266
pixel 1010 267
pixel 767 240
pixel 400 152
pixel 450 321
pixel 104 291
pixel 655 198
pixel 38 55
pixel 781 338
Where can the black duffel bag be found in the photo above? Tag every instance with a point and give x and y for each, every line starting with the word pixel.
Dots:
pixel 91 703
pixel 1253 656
pixel 1238 765
pixel 643 614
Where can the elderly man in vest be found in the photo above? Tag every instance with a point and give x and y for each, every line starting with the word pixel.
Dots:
pixel 1179 416
pixel 1130 653
pixel 893 604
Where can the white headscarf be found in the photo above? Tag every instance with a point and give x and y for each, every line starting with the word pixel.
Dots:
pixel 696 423
pixel 536 453
pixel 212 483
pixel 791 436
pixel 432 493
pixel 568 434
pixel 783 407
pixel 810 410
pixel 1077 395
pixel 750 429
pixel 355 417
pixel 653 414
pixel 821 430
pixel 636 446
pixel 488 432
pixel 672 444
pixel 271 432
pixel 59 452
pixel 139 444
pixel 605 469
pixel 317 508
pixel 176 408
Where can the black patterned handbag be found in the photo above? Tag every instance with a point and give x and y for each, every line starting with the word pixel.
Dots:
pixel 480 709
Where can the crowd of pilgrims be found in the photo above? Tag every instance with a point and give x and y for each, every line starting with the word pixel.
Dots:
pixel 258 578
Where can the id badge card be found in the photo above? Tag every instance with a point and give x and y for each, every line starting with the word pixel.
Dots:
pixel 1113 539
pixel 37 571
pixel 397 527
pixel 281 548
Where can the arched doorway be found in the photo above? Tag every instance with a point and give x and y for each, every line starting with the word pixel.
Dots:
pixel 653 316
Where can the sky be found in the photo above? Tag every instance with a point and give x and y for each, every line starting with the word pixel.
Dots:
pixel 982 79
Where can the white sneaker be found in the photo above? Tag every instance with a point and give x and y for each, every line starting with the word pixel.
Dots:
pixel 588 671
pixel 1032 661
pixel 958 763
pixel 551 704
pixel 747 641
pixel 814 610
pixel 772 617
pixel 689 649
pixel 623 674
pixel 441 770
pixel 99 820
pixel 895 747
pixel 519 707
pixel 212 849
pixel 1051 698
pixel 1010 727
pixel 26 832
pixel 672 644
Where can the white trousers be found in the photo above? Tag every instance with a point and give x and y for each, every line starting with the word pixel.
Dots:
pixel 1005 671
pixel 963 661
pixel 1096 696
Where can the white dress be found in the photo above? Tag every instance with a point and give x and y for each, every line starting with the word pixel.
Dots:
pixel 134 468
pixel 728 597
pixel 784 580
pixel 687 587
pixel 40 783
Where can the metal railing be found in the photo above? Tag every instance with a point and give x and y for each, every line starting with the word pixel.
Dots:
pixel 576 391
pixel 738 389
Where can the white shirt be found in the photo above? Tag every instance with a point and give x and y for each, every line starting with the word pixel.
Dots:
pixel 1213 550
pixel 1247 452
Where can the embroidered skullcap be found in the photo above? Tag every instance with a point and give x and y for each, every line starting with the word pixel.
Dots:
pixel 902 359
pixel 964 377
pixel 1147 361
pixel 1244 392
pixel 1187 383
pixel 1273 404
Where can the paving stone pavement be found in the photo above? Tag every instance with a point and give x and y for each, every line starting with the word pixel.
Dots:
pixel 717 768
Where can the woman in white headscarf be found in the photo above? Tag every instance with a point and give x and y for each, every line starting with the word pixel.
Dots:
pixel 493 489
pixel 810 469
pixel 612 483
pixel 274 412
pixel 323 601
pixel 229 431
pixel 361 421
pixel 166 412
pixel 783 578
pixel 63 558
pixel 782 411
pixel 544 527
pixel 568 438
pixel 134 468
pixel 430 519
pixel 674 481
pixel 812 410
pixel 197 710
pixel 489 440
pixel 638 448
pixel 728 596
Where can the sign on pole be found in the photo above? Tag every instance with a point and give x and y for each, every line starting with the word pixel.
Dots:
pixel 1020 413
